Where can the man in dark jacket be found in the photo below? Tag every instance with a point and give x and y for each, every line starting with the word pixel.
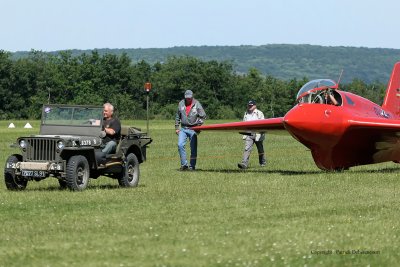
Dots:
pixel 111 128
pixel 190 113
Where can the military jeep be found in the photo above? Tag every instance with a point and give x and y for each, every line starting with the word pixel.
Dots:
pixel 68 148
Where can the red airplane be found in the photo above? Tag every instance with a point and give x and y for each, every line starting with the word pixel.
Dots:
pixel 341 129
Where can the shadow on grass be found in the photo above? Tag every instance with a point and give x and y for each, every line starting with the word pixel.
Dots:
pixel 228 171
pixel 89 188
pixel 250 170
pixel 294 172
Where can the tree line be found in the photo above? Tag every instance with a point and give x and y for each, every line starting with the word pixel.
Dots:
pixel 91 78
pixel 282 61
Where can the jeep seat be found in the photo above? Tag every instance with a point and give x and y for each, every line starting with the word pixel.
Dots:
pixel 124 133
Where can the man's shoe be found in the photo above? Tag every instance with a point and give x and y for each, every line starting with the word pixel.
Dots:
pixel 242 166
pixel 184 168
pixel 263 165
pixel 192 168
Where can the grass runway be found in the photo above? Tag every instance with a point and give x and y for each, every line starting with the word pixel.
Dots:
pixel 288 213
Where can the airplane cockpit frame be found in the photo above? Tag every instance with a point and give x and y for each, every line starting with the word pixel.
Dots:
pixel 319 91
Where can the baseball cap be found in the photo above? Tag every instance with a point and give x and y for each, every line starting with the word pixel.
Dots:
pixel 188 94
pixel 251 103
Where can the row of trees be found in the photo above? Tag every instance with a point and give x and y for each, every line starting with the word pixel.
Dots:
pixel 282 61
pixel 28 83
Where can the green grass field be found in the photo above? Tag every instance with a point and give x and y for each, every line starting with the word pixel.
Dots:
pixel 289 213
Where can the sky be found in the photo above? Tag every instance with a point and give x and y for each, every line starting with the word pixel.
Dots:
pixel 51 25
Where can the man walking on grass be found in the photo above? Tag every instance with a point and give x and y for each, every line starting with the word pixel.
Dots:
pixel 252 114
pixel 190 113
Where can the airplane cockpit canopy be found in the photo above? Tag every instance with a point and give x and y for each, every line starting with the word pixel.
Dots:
pixel 312 92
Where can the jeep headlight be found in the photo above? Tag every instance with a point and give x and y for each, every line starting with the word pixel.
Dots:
pixel 60 145
pixel 22 143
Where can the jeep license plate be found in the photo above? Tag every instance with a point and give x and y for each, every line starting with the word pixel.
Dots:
pixel 33 173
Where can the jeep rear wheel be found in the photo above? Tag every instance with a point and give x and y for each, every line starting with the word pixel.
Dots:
pixel 130 173
pixel 77 177
pixel 13 181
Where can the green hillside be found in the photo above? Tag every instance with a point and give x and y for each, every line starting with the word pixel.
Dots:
pixel 278 60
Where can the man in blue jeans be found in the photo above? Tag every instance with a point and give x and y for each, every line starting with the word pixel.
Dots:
pixel 190 113
pixel 111 128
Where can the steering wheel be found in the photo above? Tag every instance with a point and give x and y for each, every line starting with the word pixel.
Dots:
pixel 89 122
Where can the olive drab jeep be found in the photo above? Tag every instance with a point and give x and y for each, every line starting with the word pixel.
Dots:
pixel 68 148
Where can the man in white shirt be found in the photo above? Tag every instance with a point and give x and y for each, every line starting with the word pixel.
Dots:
pixel 251 114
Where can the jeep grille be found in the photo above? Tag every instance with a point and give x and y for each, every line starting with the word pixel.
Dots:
pixel 41 149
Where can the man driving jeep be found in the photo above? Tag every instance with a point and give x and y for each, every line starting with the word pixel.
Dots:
pixel 111 128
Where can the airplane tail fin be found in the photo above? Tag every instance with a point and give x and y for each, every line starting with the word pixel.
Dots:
pixel 391 102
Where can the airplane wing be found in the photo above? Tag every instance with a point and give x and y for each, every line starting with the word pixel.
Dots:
pixel 264 125
pixel 388 124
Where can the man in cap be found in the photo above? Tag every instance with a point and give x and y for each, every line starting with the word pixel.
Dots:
pixel 190 113
pixel 252 113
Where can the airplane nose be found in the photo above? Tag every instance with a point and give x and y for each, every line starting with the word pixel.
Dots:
pixel 297 123
pixel 312 125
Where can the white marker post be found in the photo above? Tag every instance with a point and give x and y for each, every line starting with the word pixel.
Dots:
pixel 28 125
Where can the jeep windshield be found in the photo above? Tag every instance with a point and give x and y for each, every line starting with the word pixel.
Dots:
pixel 72 116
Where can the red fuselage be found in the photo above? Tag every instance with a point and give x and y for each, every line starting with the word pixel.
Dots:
pixel 329 132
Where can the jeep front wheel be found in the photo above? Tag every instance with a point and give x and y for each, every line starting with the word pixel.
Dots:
pixel 130 173
pixel 13 181
pixel 77 177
